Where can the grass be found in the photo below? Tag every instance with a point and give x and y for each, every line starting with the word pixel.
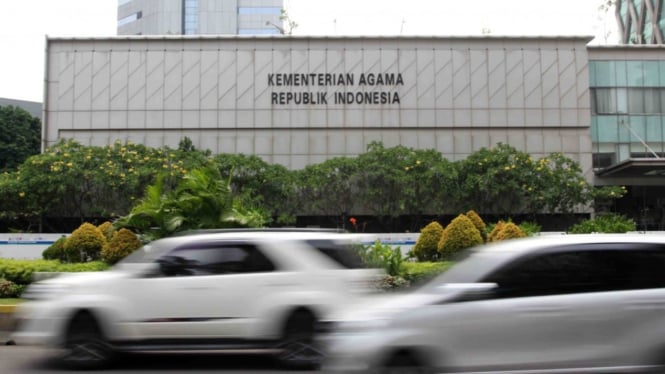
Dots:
pixel 10 301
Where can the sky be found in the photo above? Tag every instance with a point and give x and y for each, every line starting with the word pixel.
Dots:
pixel 24 25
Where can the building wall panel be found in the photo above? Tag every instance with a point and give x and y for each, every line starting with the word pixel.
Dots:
pixel 238 95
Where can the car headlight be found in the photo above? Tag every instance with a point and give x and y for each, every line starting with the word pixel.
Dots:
pixel 44 291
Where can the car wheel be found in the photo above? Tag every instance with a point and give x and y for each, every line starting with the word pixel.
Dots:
pixel 404 363
pixel 85 346
pixel 299 349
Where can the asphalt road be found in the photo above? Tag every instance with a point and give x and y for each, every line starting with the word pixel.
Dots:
pixel 22 359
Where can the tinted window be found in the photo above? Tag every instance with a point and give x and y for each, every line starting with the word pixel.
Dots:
pixel 215 259
pixel 342 254
pixel 584 270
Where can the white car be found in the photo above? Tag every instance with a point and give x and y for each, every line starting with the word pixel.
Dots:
pixel 560 304
pixel 254 290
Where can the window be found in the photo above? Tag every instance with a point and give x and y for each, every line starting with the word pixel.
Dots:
pixel 642 100
pixel 214 259
pixel 191 17
pixel 343 255
pixel 587 269
pixel 123 2
pixel 130 18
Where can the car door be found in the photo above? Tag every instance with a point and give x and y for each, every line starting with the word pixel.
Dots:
pixel 202 290
pixel 551 310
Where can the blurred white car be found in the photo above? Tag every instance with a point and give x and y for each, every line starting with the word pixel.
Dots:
pixel 263 291
pixel 564 304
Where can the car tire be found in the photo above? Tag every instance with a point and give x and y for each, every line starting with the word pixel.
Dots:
pixel 85 346
pixel 298 348
pixel 404 363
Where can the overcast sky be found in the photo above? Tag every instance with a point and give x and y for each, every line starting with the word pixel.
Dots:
pixel 24 25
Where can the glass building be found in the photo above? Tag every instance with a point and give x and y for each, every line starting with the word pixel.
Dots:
pixel 627 91
pixel 640 21
pixel 197 17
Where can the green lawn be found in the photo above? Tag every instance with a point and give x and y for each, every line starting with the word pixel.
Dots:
pixel 10 301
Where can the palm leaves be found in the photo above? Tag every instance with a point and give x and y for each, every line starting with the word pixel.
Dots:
pixel 201 200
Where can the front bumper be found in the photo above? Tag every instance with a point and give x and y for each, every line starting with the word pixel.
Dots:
pixel 37 323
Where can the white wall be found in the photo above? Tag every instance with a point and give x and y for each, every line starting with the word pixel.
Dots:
pixel 26 246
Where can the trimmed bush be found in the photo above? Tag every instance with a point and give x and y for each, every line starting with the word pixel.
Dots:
pixel 9 289
pixel 427 245
pixel 417 273
pixel 107 230
pixel 478 222
pixel 509 231
pixel 458 235
pixel 494 232
pixel 55 251
pixel 85 244
pixel 606 223
pixel 20 271
pixel 121 245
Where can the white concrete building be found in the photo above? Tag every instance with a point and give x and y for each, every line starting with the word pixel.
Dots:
pixel 301 100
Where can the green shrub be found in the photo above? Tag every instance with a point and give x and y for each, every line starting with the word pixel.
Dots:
pixel 20 271
pixel 530 228
pixel 391 283
pixel 107 230
pixel 606 223
pixel 382 256
pixel 9 289
pixel 85 244
pixel 495 230
pixel 478 222
pixel 417 273
pixel 122 244
pixel 427 245
pixel 55 251
pixel 458 235
pixel 509 231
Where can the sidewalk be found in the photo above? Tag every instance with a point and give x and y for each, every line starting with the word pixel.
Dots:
pixel 6 323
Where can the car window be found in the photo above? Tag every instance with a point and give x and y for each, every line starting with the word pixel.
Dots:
pixel 212 259
pixel 584 270
pixel 343 254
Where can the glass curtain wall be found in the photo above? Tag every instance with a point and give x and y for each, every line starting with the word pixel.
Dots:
pixel 628 110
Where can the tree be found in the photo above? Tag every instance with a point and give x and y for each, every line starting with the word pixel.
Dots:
pixel 330 188
pixel 19 138
pixel 260 185
pixel 72 180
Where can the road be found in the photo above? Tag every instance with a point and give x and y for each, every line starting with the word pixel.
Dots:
pixel 22 359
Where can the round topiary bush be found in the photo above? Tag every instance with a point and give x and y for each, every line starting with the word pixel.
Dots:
pixel 85 244
pixel 478 222
pixel 492 237
pixel 427 245
pixel 56 251
pixel 458 235
pixel 107 229
pixel 122 244
pixel 510 231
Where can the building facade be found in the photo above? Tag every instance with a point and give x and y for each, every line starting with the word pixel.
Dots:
pixel 627 89
pixel 299 100
pixel 197 17
pixel 640 21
